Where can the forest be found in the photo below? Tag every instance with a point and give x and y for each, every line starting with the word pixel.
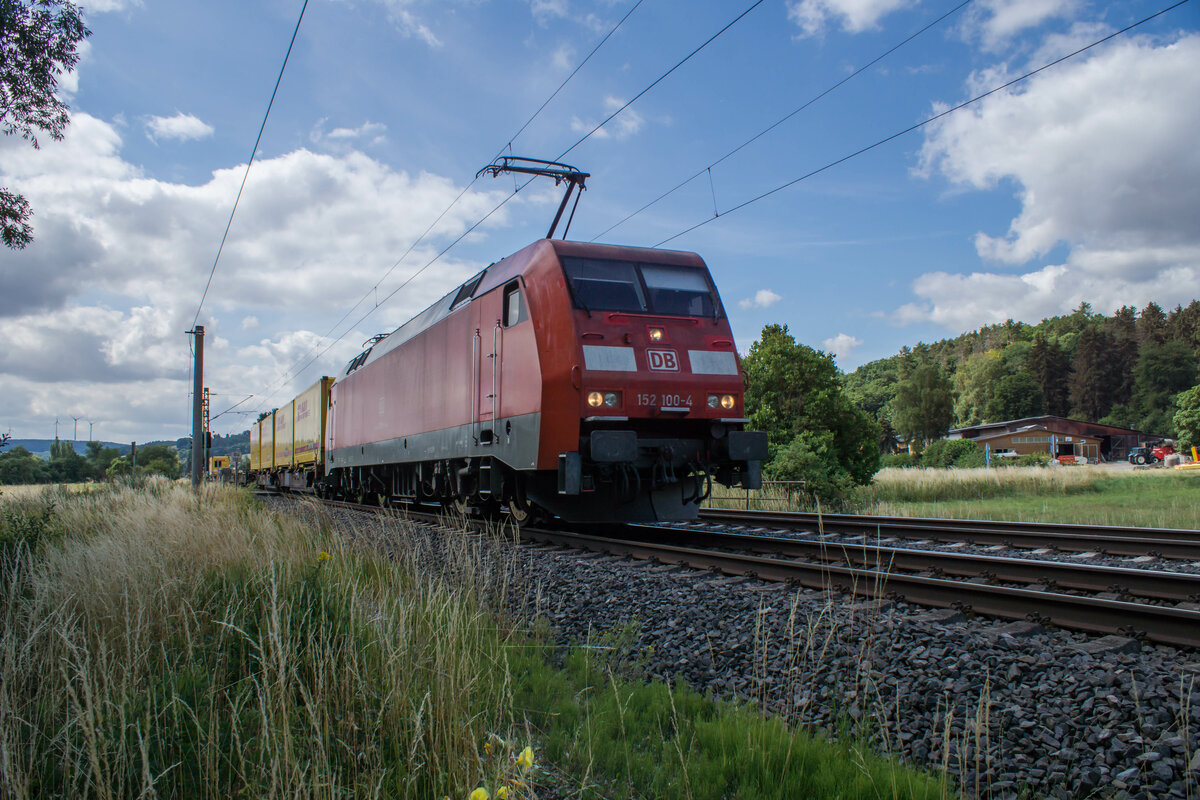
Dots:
pixel 1126 369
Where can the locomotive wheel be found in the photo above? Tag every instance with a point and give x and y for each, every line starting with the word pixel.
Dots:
pixel 524 513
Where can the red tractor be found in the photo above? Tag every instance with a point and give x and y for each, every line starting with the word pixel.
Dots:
pixel 1150 454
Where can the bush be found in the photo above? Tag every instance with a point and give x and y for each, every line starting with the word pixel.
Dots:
pixel 952 453
pixel 900 460
pixel 812 457
pixel 25 524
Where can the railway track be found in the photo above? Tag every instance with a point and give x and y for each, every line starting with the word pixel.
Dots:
pixel 1105 540
pixel 1155 605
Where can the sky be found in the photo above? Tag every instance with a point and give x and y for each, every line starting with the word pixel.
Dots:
pixel 1079 184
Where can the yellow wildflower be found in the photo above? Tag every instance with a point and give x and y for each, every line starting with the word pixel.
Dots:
pixel 487 749
pixel 502 793
pixel 323 556
pixel 525 760
pixel 479 794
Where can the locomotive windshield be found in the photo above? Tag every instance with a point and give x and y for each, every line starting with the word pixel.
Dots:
pixel 638 288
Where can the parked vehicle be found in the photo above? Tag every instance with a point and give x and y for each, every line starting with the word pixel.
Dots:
pixel 1150 454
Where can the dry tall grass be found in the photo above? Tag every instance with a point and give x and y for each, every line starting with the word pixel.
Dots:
pixel 157 646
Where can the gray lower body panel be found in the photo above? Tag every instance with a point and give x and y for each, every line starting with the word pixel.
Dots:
pixel 514 442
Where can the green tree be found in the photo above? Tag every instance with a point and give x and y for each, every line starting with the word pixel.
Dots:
pixel 1152 325
pixel 1051 370
pixel 158 459
pixel 924 405
pixel 1183 324
pixel 1016 395
pixel 1122 328
pixel 66 466
pixel 791 390
pixel 119 468
pixel 1163 371
pixel 1187 418
pixel 1092 375
pixel 39 41
pixel 99 457
pixel 19 466
pixel 871 387
pixel 974 381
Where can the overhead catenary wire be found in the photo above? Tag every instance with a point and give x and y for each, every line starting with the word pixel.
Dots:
pixel 292 373
pixel 923 123
pixel 660 78
pixel 467 188
pixel 782 120
pixel 249 163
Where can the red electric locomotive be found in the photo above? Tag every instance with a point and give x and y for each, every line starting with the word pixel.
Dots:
pixel 592 382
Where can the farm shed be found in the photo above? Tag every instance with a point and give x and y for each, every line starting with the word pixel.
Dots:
pixel 1115 442
pixel 1041 439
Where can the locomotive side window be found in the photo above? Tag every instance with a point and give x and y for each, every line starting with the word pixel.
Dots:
pixel 605 285
pixel 514 306
pixel 677 291
pixel 466 291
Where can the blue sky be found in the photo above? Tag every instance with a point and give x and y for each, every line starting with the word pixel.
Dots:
pixel 1081 184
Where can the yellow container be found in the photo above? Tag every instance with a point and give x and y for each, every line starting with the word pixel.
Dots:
pixel 308 434
pixel 255 436
pixel 283 436
pixel 266 456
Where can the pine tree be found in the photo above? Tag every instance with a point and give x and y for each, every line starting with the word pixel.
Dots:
pixel 924 404
pixel 1051 372
pixel 1152 325
pixel 1092 375
pixel 1122 327
pixel 1183 325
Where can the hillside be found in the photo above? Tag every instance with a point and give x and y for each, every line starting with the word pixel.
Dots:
pixel 1121 369
pixel 41 447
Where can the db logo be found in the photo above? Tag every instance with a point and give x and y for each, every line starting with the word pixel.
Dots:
pixel 663 360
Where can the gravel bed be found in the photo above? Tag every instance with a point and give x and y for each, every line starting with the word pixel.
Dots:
pixel 1128 562
pixel 1009 709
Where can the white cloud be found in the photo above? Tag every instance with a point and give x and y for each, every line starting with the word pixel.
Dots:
pixel 367 133
pixel 98 6
pixel 855 16
pixel 119 260
pixel 841 345
pixel 409 24
pixel 960 302
pixel 763 298
pixel 181 126
pixel 621 127
pixel 563 57
pixel 996 22
pixel 366 130
pixel 546 10
pixel 1102 154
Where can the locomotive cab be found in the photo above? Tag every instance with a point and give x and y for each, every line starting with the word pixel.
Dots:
pixel 659 390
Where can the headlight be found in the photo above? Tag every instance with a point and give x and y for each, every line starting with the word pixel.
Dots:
pixel 595 399
pixel 612 399
pixel 657 334
pixel 727 401
pixel 713 401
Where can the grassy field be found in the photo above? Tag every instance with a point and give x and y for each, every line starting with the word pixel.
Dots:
pixel 1157 498
pixel 157 645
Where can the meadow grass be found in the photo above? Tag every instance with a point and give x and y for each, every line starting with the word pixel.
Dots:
pixel 1085 495
pixel 1093 495
pixel 155 644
